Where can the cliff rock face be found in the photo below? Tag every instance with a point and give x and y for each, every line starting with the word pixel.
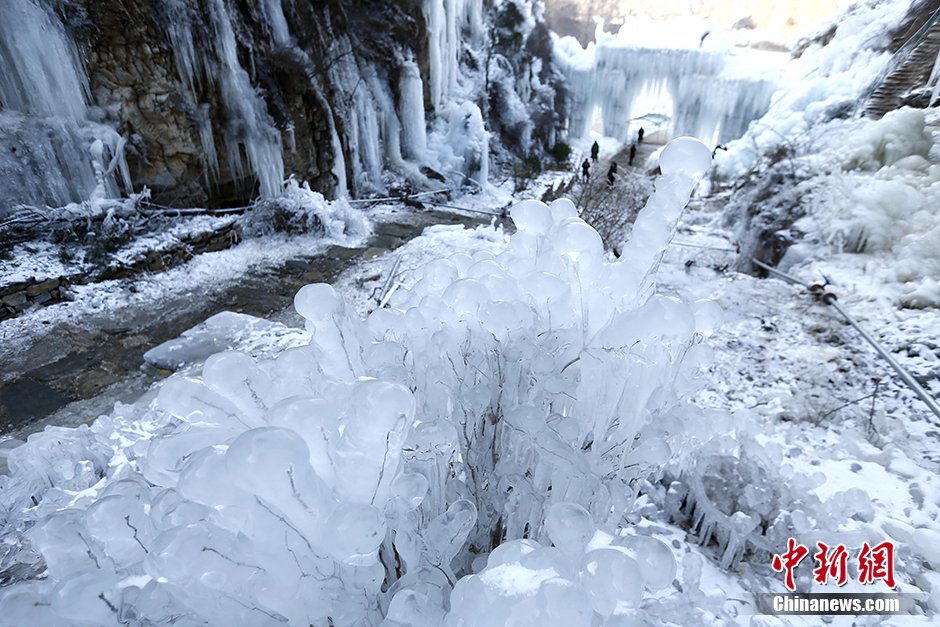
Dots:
pixel 212 102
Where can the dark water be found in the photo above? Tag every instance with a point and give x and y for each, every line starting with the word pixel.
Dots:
pixel 79 372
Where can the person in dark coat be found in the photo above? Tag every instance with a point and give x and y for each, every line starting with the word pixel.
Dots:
pixel 586 170
pixel 632 153
pixel 639 135
pixel 595 150
pixel 611 174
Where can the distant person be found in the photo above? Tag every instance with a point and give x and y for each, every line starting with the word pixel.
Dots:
pixel 639 135
pixel 586 170
pixel 632 153
pixel 611 174
pixel 595 150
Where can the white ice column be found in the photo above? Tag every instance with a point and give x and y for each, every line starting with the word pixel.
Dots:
pixel 411 106
pixel 445 20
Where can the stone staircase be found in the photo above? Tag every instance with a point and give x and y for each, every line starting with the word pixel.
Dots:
pixel 909 69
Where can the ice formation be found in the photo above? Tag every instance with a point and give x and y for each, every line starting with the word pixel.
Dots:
pixel 447 20
pixel 823 80
pixel 712 97
pixel 362 477
pixel 47 138
pixel 864 190
pixel 48 129
pixel 215 62
pixel 413 127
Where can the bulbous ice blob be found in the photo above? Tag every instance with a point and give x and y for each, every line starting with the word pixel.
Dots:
pixel 569 526
pixel 574 235
pixel 121 526
pixel 63 548
pixel 461 261
pixel 686 155
pixel 86 599
pixel 613 580
pixel 236 376
pixel 204 479
pixel 169 509
pixel 673 317
pixel 484 268
pixel 313 419
pixel 502 317
pixel 192 401
pixel 318 303
pixel 355 533
pixel 546 558
pixel 544 287
pixel 562 603
pixel 708 316
pixel 265 461
pixel 656 559
pixel 511 552
pixel 466 296
pixel 532 216
pixel 386 323
pixel 437 275
pixel 27 603
pixel 166 455
pixel 378 407
pixel 563 208
pixel 222 369
pixel 410 487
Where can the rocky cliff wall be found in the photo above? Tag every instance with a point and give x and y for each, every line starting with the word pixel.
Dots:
pixel 213 102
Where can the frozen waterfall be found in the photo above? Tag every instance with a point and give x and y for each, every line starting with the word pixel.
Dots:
pixel 45 135
pixel 712 97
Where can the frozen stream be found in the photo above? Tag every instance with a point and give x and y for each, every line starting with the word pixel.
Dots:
pixel 72 368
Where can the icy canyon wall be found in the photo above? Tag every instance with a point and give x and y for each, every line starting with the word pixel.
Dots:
pixel 212 102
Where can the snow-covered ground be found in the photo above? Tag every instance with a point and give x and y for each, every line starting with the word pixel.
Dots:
pixel 533 431
pixel 845 452
pixel 789 440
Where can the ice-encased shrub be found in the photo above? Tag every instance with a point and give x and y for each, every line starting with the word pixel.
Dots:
pixel 504 403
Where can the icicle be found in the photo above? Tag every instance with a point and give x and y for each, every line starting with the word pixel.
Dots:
pixel 291 138
pixel 209 155
pixel 249 127
pixel 339 164
pixel 389 124
pixel 280 32
pixel 934 80
pixel 413 126
pixel 250 124
pixel 434 17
